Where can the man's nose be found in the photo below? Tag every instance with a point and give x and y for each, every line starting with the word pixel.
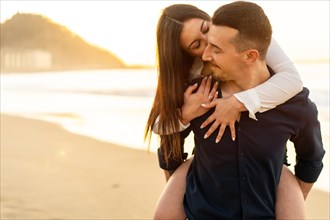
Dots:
pixel 206 55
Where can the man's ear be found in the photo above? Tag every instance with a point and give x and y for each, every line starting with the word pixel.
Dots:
pixel 252 56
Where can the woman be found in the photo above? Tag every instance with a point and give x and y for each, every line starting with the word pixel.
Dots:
pixel 181 40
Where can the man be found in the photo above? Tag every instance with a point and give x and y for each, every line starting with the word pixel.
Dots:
pixel 238 179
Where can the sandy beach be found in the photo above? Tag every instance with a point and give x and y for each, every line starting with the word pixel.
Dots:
pixel 49 173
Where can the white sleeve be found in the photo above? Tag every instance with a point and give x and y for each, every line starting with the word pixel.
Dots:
pixel 285 84
pixel 156 129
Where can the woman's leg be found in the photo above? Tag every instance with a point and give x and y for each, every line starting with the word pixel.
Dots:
pixel 290 201
pixel 170 203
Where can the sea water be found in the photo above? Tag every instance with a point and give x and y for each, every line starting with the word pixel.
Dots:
pixel 113 105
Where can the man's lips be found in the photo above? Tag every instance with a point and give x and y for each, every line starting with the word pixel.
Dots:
pixel 213 65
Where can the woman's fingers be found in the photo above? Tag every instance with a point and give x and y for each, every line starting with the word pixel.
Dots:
pixel 208 86
pixel 213 92
pixel 208 121
pixel 222 129
pixel 220 133
pixel 191 89
pixel 202 86
pixel 215 96
pixel 214 126
pixel 232 131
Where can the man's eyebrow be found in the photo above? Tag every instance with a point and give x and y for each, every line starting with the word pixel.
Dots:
pixel 214 45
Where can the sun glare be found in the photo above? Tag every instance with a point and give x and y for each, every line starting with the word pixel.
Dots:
pixel 127 28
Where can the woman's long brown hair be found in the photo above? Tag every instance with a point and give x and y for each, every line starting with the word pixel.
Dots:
pixel 174 66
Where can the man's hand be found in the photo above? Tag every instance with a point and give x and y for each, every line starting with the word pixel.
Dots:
pixel 192 101
pixel 227 111
pixel 305 187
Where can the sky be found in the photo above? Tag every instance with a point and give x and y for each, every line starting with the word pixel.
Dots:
pixel 128 28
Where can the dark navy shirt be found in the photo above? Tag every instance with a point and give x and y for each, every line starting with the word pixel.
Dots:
pixel 238 179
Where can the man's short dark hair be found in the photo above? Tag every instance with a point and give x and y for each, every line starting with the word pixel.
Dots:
pixel 255 30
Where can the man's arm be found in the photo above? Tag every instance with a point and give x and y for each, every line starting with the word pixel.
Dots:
pixel 308 143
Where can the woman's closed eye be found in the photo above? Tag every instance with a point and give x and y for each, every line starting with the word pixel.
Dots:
pixel 195 45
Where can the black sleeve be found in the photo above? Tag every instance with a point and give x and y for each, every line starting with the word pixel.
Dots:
pixel 309 146
pixel 173 163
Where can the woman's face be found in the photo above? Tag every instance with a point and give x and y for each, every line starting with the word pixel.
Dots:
pixel 193 36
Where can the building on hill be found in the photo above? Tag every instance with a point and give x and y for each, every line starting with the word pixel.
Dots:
pixel 25 60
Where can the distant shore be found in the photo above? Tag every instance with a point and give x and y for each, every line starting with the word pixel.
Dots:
pixel 49 173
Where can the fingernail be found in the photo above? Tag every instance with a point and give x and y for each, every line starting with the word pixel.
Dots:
pixel 205 136
pixel 210 76
pixel 203 105
pixel 202 126
pixel 233 138
pixel 195 84
pixel 217 140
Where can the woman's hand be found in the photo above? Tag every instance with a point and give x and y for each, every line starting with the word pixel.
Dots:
pixel 227 111
pixel 192 101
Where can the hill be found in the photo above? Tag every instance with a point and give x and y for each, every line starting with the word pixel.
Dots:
pixel 32 42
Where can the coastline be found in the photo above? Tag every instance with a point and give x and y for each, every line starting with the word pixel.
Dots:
pixel 48 172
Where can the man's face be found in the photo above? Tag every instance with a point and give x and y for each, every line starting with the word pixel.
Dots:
pixel 224 60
